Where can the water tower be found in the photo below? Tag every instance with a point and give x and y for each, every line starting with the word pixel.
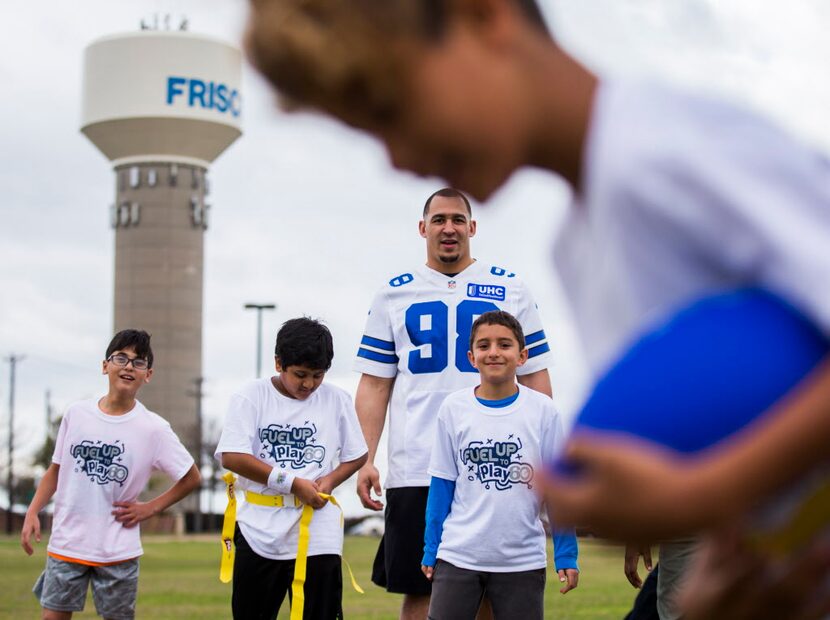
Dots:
pixel 161 105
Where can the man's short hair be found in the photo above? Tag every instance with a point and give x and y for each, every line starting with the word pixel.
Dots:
pixel 448 192
pixel 339 55
pixel 136 339
pixel 304 342
pixel 499 317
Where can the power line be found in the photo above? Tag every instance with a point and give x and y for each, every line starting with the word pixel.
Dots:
pixel 63 364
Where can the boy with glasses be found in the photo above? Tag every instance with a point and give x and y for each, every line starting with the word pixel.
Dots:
pixel 105 451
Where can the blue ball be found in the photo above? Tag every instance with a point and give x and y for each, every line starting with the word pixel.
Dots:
pixel 706 372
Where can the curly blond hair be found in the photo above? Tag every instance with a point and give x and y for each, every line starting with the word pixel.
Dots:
pixel 333 55
pixel 340 56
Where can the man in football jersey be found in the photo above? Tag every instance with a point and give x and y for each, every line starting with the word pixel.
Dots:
pixel 413 353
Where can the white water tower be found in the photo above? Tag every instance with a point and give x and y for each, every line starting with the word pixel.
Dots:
pixel 161 106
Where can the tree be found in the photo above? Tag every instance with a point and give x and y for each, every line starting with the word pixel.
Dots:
pixel 43 457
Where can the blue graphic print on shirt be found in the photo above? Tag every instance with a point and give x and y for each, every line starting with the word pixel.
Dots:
pixel 102 462
pixel 292 446
pixel 498 463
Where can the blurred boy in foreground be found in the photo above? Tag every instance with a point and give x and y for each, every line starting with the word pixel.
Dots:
pixel 675 196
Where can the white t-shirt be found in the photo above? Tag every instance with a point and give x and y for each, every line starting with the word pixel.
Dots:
pixel 418 331
pixel 492 454
pixel 307 438
pixel 684 196
pixel 104 459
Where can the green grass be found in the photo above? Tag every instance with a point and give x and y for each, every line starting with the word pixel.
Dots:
pixel 179 580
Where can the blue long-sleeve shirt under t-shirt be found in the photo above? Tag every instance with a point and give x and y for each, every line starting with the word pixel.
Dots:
pixel 439 501
pixel 439 504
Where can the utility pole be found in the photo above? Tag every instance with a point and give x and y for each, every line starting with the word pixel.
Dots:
pixel 13 360
pixel 198 394
pixel 259 308
pixel 48 400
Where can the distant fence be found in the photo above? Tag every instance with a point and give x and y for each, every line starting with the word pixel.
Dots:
pixel 164 523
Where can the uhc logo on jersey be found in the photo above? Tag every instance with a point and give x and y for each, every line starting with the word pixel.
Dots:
pixel 486 291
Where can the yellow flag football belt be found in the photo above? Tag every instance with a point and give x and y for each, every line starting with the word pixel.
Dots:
pixel 275 501
pixel 805 523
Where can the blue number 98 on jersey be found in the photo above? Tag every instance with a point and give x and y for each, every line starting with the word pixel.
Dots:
pixel 427 324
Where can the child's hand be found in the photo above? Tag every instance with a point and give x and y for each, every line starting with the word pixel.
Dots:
pixel 427 571
pixel 727 578
pixel 570 577
pixel 632 561
pixel 130 514
pixel 325 485
pixel 31 526
pixel 307 491
pixel 631 490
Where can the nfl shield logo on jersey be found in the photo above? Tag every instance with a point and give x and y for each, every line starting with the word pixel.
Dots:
pixel 451 284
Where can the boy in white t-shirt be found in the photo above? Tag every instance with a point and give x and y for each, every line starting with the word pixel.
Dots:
pixel 290 438
pixel 484 533
pixel 105 451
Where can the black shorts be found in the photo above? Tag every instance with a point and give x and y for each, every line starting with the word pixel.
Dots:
pixel 398 561
pixel 260 585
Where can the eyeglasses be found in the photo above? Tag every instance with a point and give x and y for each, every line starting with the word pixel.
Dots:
pixel 119 359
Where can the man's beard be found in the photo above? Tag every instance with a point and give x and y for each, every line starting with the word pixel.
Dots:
pixel 450 259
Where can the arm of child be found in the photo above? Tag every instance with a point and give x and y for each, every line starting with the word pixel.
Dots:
pixel 252 468
pixel 31 523
pixel 371 401
pixel 728 579
pixel 439 502
pixel 565 553
pixel 130 514
pixel 635 491
pixel 633 551
pixel 341 473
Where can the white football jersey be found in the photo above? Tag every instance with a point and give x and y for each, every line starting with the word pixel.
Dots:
pixel 418 331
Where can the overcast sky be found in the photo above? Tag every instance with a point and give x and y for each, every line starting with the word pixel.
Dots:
pixel 308 214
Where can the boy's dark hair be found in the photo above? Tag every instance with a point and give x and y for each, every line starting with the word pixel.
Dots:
pixel 304 342
pixel 499 317
pixel 137 339
pixel 448 192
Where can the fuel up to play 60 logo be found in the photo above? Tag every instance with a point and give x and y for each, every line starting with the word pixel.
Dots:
pixel 100 461
pixel 496 463
pixel 293 446
pixel 208 95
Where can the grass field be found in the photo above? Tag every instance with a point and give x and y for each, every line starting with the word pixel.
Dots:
pixel 179 580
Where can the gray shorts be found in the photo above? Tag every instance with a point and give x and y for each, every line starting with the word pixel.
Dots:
pixel 63 585
pixel 675 556
pixel 457 593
